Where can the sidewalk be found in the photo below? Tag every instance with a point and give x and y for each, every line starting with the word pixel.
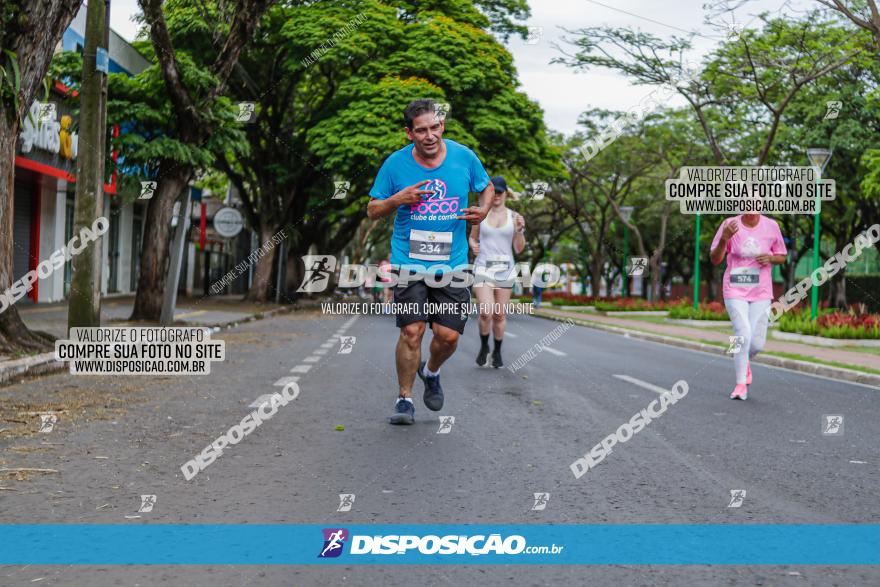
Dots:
pixel 212 311
pixel 216 312
pixel 862 367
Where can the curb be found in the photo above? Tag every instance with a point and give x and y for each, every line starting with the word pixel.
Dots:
pixel 709 323
pixel 834 343
pixel 29 366
pixel 250 318
pixel 828 371
pixel 698 323
pixel 46 363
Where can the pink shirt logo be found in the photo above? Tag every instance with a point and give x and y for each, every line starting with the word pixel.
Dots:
pixel 436 203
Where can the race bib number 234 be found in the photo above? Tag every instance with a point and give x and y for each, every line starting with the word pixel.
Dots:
pixel 428 245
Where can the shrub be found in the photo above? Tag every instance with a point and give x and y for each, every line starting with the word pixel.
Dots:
pixel 705 311
pixel 572 300
pixel 855 323
pixel 631 305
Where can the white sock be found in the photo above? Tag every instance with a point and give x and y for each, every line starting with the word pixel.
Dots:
pixel 409 399
pixel 428 373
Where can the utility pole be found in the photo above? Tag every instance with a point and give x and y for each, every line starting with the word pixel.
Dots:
pixel 169 301
pixel 85 288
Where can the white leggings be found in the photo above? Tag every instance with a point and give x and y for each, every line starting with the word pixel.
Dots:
pixel 750 321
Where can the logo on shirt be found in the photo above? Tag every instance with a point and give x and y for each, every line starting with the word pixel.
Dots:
pixel 750 248
pixel 437 202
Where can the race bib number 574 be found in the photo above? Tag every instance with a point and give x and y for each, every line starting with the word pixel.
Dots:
pixel 745 277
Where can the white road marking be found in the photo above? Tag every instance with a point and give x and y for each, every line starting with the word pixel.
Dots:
pixel 640 383
pixel 312 359
pixel 328 345
pixel 510 334
pixel 301 369
pixel 286 380
pixel 319 352
pixel 554 352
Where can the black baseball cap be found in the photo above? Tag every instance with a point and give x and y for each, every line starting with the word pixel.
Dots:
pixel 499 183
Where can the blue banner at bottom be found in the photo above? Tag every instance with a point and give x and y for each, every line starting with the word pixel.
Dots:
pixel 351 544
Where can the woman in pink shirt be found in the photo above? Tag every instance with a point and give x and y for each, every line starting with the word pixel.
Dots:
pixel 752 244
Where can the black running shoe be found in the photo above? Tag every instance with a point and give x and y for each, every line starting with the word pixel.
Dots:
pixel 404 412
pixel 483 357
pixel 496 359
pixel 433 392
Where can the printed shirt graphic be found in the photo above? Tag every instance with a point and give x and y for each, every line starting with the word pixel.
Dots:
pixel 435 217
pixel 764 239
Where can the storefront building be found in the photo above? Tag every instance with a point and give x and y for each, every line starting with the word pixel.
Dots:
pixel 45 183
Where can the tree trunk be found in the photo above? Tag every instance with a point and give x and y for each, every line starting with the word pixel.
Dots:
pixel 294 274
pixel 30 29
pixel 838 290
pixel 596 275
pixel 791 265
pixel 837 293
pixel 14 335
pixel 654 292
pixel 261 288
pixel 709 275
pixel 157 241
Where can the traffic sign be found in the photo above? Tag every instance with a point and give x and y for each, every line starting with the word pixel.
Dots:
pixel 228 222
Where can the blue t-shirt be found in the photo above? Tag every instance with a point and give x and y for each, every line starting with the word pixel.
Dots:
pixel 428 234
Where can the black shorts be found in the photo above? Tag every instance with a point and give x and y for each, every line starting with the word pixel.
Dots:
pixel 418 294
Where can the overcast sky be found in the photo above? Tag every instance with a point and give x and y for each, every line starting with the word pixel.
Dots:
pixel 562 92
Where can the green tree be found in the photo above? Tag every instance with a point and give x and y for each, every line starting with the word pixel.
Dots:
pixel 743 89
pixel 194 83
pixel 850 133
pixel 333 113
pixel 863 13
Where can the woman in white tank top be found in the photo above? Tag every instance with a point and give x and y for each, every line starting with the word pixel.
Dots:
pixel 494 241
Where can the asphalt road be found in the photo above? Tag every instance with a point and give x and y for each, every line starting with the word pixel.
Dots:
pixel 514 434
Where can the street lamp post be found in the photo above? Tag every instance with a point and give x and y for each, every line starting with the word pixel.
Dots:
pixel 625 213
pixel 818 160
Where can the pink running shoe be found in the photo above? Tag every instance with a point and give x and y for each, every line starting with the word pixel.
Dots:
pixel 749 374
pixel 740 392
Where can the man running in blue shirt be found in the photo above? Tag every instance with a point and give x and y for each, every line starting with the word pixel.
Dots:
pixel 427 185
